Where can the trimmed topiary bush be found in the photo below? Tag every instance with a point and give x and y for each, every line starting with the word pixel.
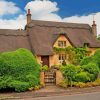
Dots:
pixel 21 68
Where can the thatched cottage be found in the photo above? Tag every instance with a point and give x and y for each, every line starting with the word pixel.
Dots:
pixel 41 37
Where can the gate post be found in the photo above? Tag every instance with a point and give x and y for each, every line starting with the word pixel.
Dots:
pixel 42 78
pixel 59 77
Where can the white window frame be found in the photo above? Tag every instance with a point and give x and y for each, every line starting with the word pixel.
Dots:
pixel 61 44
pixel 62 57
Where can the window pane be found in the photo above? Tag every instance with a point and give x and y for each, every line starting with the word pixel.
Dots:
pixel 59 43
pixel 62 56
pixel 62 43
pixel 59 57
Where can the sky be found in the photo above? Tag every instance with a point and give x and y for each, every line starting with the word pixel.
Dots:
pixel 13 12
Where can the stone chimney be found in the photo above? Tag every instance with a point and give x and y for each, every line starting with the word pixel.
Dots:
pixel 94 29
pixel 28 16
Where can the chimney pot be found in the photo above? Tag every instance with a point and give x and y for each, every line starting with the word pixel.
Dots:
pixel 29 11
pixel 94 29
pixel 28 16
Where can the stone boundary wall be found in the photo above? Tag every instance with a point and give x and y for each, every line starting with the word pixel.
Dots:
pixel 59 77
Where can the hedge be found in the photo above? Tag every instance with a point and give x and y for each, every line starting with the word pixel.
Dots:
pixel 19 70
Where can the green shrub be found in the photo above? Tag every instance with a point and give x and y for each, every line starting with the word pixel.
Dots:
pixel 68 71
pixel 78 69
pixel 97 57
pixel 92 69
pixel 82 77
pixel 86 60
pixel 92 59
pixel 19 86
pixel 45 68
pixel 4 81
pixel 21 66
pixel 64 83
pixel 79 84
pixel 56 67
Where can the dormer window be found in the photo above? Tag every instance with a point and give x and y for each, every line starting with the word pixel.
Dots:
pixel 62 44
pixel 86 44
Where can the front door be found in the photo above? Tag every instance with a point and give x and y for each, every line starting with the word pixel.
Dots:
pixel 45 60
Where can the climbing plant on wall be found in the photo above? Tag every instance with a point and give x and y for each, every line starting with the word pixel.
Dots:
pixel 74 55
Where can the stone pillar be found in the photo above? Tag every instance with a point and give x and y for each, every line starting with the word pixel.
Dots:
pixel 42 78
pixel 29 16
pixel 94 29
pixel 59 77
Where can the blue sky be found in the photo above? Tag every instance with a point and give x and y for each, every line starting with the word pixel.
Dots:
pixel 13 12
pixel 69 7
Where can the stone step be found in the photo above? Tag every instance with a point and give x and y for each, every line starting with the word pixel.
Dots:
pixel 49 74
pixel 49 81
pixel 48 77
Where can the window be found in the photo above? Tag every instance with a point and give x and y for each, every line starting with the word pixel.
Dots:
pixel 62 57
pixel 86 44
pixel 62 43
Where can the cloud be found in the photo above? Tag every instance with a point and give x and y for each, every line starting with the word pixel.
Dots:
pixel 42 10
pixel 85 19
pixel 8 8
pixel 47 10
pixel 16 23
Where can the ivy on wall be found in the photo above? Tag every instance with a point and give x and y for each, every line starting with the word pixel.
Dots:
pixel 74 55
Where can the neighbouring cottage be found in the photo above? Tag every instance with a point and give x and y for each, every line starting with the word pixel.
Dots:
pixel 42 36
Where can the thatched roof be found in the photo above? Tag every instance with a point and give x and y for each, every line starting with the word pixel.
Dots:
pixel 13 39
pixel 41 35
